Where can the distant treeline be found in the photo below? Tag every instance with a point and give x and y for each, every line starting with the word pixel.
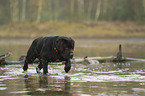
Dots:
pixel 72 10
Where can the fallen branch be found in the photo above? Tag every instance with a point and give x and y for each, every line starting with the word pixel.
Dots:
pixel 94 60
pixel 5 56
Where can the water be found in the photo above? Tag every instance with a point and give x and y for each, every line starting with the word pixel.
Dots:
pixel 84 79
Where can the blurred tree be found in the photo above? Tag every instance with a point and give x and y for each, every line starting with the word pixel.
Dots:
pixel 50 10
pixel 81 9
pixel 24 10
pixel 56 14
pixel 143 2
pixel 14 10
pixel 98 9
pixel 4 11
pixel 90 5
pixel 39 10
pixel 72 10
pixel 139 13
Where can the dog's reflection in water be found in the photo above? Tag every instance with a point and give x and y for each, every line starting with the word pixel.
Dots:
pixel 44 85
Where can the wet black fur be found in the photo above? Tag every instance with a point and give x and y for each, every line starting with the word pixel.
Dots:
pixel 50 49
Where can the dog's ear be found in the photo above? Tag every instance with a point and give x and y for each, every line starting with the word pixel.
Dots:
pixel 59 44
pixel 72 44
pixel 61 41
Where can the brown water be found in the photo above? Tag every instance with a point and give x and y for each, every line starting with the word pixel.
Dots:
pixel 103 79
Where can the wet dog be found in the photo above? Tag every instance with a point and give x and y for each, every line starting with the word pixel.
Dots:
pixel 50 49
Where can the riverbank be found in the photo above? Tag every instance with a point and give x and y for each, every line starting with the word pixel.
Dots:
pixel 74 30
pixel 28 41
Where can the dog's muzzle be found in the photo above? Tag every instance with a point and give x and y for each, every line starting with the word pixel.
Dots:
pixel 71 55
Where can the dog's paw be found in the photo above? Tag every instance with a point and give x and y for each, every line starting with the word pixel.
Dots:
pixel 38 70
pixel 24 71
pixel 67 68
pixel 47 74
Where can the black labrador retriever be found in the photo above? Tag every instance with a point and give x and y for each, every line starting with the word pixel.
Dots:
pixel 50 49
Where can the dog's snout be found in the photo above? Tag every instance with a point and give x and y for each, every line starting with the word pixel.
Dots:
pixel 71 54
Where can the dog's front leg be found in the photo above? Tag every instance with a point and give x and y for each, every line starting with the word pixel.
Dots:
pixel 67 65
pixel 25 67
pixel 45 67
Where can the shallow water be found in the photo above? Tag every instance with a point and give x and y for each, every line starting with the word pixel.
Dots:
pixel 103 79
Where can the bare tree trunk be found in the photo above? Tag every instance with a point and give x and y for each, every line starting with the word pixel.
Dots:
pixel 105 7
pixel 14 10
pixel 81 8
pixel 50 10
pixel 39 10
pixel 24 10
pixel 98 10
pixel 56 10
pixel 71 8
pixel 143 4
pixel 90 9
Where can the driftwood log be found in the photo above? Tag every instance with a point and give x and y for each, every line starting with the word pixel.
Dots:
pixel 91 60
pixel 3 60
pixel 96 60
pixel 117 58
pixel 3 57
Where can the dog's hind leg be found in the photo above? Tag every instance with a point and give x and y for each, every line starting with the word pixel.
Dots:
pixel 39 67
pixel 45 67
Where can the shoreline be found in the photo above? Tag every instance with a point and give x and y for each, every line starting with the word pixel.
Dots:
pixel 79 30
pixel 27 41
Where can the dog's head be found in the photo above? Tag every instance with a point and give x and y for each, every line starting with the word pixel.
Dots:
pixel 65 46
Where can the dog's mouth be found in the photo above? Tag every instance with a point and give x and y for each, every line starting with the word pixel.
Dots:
pixel 71 55
pixel 67 56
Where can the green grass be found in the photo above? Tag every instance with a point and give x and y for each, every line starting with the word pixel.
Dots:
pixel 75 30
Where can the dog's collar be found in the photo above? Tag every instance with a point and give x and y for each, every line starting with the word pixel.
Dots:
pixel 56 50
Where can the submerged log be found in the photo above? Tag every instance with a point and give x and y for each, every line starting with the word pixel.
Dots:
pixel 117 58
pixel 94 60
pixel 91 60
pixel 3 60
pixel 3 57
